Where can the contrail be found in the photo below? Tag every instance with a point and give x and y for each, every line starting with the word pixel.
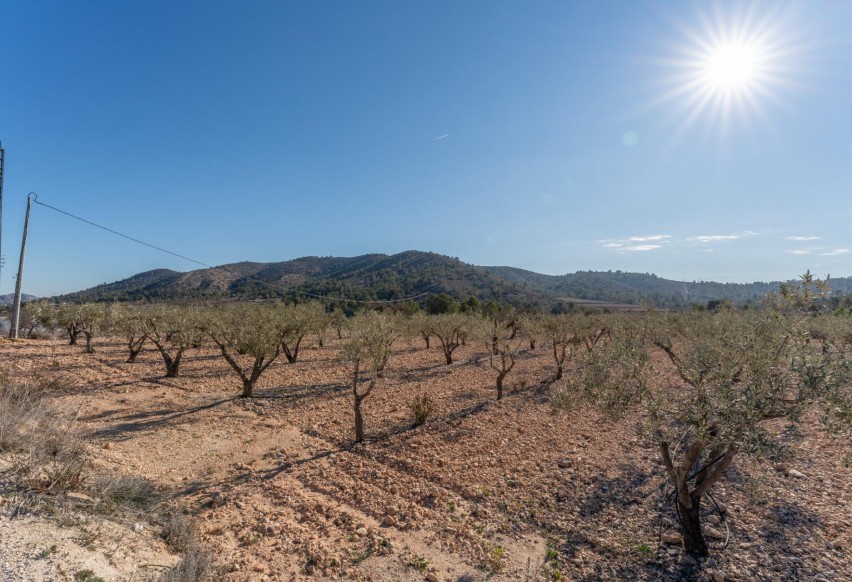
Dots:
pixel 441 137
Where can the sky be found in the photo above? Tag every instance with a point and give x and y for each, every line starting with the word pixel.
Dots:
pixel 697 141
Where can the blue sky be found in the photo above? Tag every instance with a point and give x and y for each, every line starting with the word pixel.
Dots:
pixel 552 136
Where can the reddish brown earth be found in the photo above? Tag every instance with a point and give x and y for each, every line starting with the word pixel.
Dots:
pixel 441 500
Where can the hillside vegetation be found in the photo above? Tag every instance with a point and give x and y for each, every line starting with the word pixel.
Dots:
pixel 413 273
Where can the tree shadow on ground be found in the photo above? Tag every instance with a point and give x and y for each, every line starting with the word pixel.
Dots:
pixel 131 424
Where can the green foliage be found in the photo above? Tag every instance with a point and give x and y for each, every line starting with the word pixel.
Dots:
pixel 421 407
pixel 442 303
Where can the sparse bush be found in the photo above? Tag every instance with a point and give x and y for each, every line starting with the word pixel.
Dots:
pixel 195 566
pixel 124 491
pixel 179 532
pixel 421 407
pixel 46 455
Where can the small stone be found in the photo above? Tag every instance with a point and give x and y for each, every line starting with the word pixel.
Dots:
pixel 389 521
pixel 217 499
pixel 430 577
pixel 107 446
pixel 565 463
pixel 361 532
pixel 796 474
pixel 138 527
pixel 718 577
pixel 671 537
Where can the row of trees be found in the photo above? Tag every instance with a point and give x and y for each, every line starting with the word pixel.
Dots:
pixel 737 374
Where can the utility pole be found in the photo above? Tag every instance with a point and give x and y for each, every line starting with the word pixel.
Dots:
pixel 2 167
pixel 16 307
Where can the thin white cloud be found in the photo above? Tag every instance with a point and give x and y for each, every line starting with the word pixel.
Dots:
pixel 641 248
pixel 652 238
pixel 612 245
pixel 800 252
pixel 835 252
pixel 441 137
pixel 804 237
pixel 714 237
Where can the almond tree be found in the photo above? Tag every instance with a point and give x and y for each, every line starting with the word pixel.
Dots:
pixel 249 339
pixel 172 329
pixel 736 371
pixel 368 348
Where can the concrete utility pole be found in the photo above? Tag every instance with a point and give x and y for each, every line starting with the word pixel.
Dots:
pixel 16 307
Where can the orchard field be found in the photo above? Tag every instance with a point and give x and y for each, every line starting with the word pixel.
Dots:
pixel 688 445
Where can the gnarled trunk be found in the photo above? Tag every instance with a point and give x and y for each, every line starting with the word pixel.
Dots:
pixel 693 538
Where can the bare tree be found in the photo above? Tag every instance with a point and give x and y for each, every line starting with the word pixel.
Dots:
pixel 249 339
pixel 501 356
pixel 368 348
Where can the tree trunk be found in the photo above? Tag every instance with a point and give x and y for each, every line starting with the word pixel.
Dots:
pixel 693 539
pixel 426 339
pixel 134 349
pixel 173 366
pixel 448 354
pixel 532 344
pixel 500 387
pixel 89 348
pixel 359 421
pixel 559 372
pixel 248 389
pixel 72 335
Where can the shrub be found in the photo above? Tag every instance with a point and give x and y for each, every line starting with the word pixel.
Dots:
pixel 195 566
pixel 179 532
pixel 125 491
pixel 421 407
pixel 46 455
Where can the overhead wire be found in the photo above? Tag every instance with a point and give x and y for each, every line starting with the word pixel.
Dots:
pixel 208 266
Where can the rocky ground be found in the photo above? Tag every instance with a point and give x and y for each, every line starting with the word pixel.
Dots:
pixel 484 490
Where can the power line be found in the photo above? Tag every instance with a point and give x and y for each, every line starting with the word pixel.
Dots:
pixel 203 264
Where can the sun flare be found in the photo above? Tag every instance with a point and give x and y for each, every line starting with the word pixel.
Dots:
pixel 727 71
pixel 732 67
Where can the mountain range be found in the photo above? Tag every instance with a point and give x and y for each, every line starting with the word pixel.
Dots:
pixel 416 274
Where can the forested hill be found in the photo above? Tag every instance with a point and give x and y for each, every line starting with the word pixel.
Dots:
pixel 622 287
pixel 363 278
pixel 383 277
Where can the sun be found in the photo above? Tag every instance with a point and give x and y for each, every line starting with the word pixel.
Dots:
pixel 732 67
pixel 727 69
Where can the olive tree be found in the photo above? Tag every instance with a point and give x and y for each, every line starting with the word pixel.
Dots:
pixel 532 326
pixel 299 321
pixel 736 371
pixel 562 332
pixel 173 329
pixel 501 355
pixel 126 321
pixel 248 338
pixel 368 347
pixel 451 330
